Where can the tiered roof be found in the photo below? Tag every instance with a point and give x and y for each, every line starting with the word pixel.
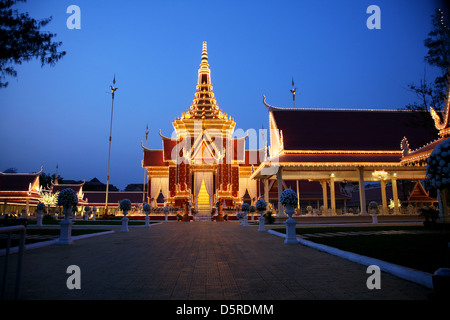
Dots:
pixel 18 187
pixel 204 104
pixel 340 136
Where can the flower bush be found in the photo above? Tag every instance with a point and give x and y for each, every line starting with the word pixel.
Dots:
pixel 252 209
pixel 40 206
pixel 288 198
pixel 392 204
pixel 269 219
pixel 261 205
pixel 240 215
pixel 146 207
pixel 87 208
pixel 67 198
pixel 245 207
pixel 438 168
pixel 125 205
pixel 429 213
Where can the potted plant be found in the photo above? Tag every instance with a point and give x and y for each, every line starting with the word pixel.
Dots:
pixel 438 169
pixel 125 206
pixel 261 206
pixel 40 209
pixel 373 206
pixel 245 209
pixel 87 211
pixel 289 200
pixel 239 216
pixel 68 199
pixel 146 208
pixel 166 212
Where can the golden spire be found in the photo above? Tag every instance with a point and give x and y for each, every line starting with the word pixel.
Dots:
pixel 204 104
pixel 204 53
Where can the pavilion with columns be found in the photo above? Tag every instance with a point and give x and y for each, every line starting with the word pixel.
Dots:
pixel 327 146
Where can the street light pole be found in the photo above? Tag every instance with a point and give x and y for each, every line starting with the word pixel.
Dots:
pixel 145 171
pixel 113 90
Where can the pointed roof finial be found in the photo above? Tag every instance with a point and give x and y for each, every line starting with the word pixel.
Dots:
pixel 204 52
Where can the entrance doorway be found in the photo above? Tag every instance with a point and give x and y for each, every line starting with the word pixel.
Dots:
pixel 204 194
pixel 203 201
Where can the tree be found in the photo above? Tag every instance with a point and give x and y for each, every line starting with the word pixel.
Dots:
pixel 432 94
pixel 45 180
pixel 49 199
pixel 21 39
pixel 438 44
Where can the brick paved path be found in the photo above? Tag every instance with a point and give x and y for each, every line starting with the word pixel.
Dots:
pixel 199 260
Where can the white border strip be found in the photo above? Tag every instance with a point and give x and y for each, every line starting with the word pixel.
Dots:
pixel 423 278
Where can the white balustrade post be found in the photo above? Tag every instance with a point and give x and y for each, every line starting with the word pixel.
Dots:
pixel 124 222
pixel 291 237
pixel 261 221
pixel 65 237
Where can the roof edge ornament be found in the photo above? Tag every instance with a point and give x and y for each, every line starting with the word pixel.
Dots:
pixel 404 146
pixel 442 124
pixel 142 146
pixel 266 104
pixel 164 137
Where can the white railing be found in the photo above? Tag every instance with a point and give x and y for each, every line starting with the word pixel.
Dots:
pixel 9 231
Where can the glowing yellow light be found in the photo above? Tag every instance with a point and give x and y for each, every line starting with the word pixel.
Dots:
pixel 381 174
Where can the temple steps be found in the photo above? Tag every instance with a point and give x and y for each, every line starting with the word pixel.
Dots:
pixel 204 209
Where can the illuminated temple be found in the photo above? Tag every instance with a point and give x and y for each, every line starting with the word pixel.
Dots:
pixel 204 164
pixel 329 157
pixel 316 152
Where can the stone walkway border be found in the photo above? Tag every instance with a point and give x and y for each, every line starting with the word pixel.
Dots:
pixel 416 276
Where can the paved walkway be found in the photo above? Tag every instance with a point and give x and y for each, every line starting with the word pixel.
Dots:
pixel 199 261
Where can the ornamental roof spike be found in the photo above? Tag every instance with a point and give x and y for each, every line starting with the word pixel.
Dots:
pixel 443 124
pixel 204 52
pixel 204 104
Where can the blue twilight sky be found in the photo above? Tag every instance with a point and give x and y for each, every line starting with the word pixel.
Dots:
pixel 61 114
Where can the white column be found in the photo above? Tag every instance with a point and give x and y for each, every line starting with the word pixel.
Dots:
pixel 27 208
pixel 395 195
pixel 280 190
pixel 324 196
pixel 266 190
pixel 383 196
pixel 332 195
pixel 362 191
pixel 298 197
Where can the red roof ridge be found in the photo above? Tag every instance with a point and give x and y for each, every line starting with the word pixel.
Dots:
pixel 340 151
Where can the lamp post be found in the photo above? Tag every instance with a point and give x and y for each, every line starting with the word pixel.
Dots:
pixel 145 171
pixel 113 90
